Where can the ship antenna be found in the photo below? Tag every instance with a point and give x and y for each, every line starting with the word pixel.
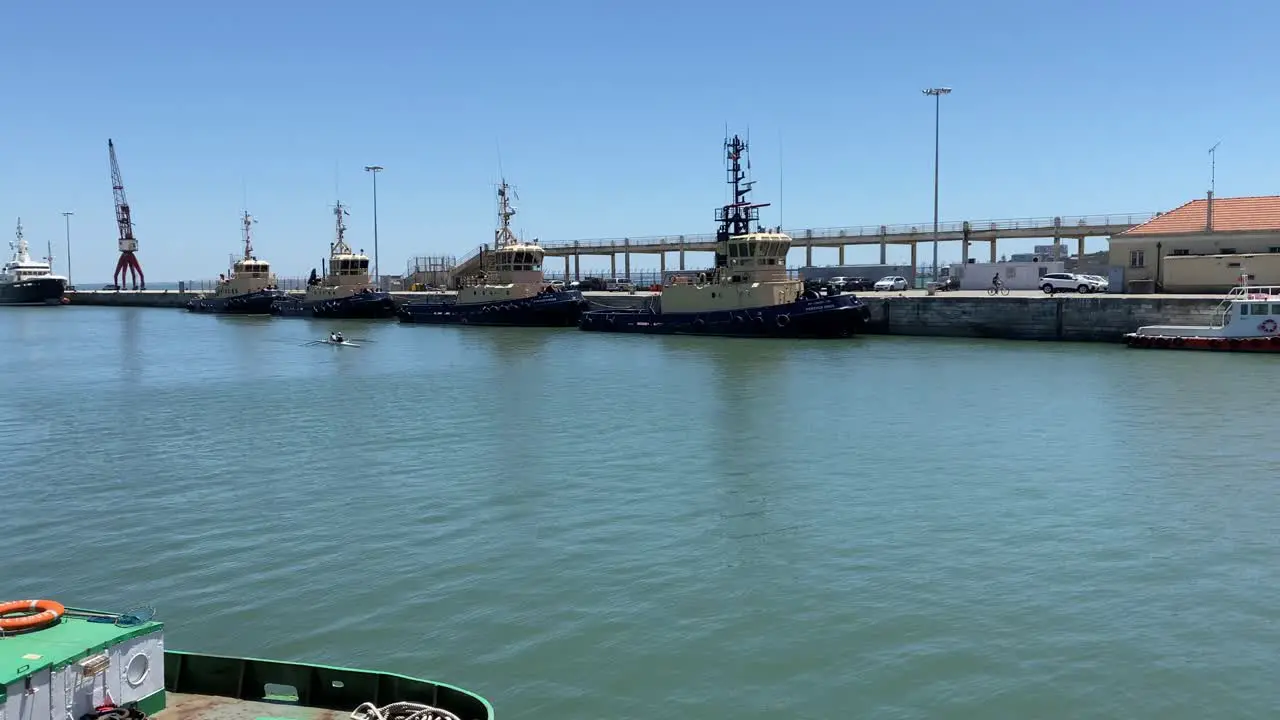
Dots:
pixel 339 244
pixel 248 235
pixel 780 177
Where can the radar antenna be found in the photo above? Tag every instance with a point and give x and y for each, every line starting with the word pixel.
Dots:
pixel 503 235
pixel 339 245
pixel 738 216
pixel 247 223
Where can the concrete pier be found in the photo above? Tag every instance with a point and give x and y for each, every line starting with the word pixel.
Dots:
pixel 1033 315
pixel 1022 315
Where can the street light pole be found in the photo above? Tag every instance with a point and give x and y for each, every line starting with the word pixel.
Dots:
pixel 68 215
pixel 937 94
pixel 375 169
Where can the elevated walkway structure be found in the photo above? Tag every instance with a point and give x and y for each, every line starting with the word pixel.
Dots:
pixel 990 231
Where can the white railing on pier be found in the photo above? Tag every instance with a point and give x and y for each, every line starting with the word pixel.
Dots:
pixel 1065 225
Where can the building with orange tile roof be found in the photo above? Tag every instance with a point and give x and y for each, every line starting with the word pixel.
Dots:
pixel 1203 246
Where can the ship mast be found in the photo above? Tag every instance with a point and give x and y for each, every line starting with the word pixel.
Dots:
pixel 503 235
pixel 19 244
pixel 339 245
pixel 736 217
pixel 247 224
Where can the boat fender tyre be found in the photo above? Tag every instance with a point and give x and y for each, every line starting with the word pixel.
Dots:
pixel 1233 343
pixel 702 278
pixel 671 280
pixel 783 320
pixel 1179 342
pixel 699 324
pixel 738 319
pixel 1255 343
pixel 613 322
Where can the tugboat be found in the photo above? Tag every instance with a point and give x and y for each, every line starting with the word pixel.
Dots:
pixel 345 292
pixel 510 288
pixel 95 665
pixel 250 289
pixel 24 281
pixel 748 293
pixel 1247 320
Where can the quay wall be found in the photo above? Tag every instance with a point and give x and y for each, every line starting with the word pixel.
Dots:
pixel 1098 318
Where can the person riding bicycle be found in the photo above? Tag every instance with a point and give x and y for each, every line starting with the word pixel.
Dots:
pixel 996 282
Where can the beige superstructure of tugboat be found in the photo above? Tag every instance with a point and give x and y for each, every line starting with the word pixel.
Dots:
pixel 509 289
pixel 248 289
pixel 748 293
pixel 346 291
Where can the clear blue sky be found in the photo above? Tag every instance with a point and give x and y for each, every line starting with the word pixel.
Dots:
pixel 610 117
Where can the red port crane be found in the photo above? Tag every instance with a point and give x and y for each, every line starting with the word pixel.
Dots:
pixel 128 264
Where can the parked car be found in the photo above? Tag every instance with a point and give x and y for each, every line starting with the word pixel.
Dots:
pixel 619 285
pixel 556 284
pixel 891 283
pixel 588 284
pixel 840 283
pixel 1071 282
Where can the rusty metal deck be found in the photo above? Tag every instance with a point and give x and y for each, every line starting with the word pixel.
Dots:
pixel 183 706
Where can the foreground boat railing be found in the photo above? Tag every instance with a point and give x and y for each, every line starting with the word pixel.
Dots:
pixel 314 686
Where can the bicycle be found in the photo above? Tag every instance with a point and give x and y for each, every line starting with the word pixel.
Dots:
pixel 1002 289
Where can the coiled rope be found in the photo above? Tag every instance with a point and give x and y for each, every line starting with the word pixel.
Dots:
pixel 401 711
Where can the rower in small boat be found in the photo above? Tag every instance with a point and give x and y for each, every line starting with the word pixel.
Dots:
pixel 335 337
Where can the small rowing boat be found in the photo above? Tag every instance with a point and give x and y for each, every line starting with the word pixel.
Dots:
pixel 335 338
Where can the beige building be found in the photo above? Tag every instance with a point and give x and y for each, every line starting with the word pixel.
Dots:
pixel 1203 246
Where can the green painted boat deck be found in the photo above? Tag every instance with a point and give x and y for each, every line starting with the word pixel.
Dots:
pixel 72 639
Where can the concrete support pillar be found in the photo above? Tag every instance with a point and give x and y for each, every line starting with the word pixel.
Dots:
pixel 566 268
pixel 682 252
pixel 840 262
pixel 808 254
pixel 1057 246
pixel 884 245
pixel 613 265
pixel 1080 248
pixel 577 263
pixel 914 264
pixel 964 249
pixel 993 249
pixel 626 258
pixel 662 265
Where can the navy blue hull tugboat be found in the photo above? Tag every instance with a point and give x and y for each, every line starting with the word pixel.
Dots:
pixel 345 292
pixel 249 288
pixel 509 289
pixel 747 294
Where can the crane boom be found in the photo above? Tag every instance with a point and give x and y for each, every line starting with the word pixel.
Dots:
pixel 127 242
pixel 128 264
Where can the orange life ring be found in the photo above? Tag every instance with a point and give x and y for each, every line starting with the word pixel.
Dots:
pixel 50 613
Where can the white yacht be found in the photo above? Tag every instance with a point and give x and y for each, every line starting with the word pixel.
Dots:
pixel 24 281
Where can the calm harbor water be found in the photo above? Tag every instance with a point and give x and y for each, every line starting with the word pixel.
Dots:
pixel 592 526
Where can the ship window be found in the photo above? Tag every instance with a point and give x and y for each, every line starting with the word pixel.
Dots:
pixel 752 250
pixel 364 264
pixel 1244 309
pixel 733 251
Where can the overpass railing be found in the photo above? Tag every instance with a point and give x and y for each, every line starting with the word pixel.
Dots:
pixel 1064 223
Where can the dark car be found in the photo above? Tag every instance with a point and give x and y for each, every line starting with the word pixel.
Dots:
pixel 588 284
